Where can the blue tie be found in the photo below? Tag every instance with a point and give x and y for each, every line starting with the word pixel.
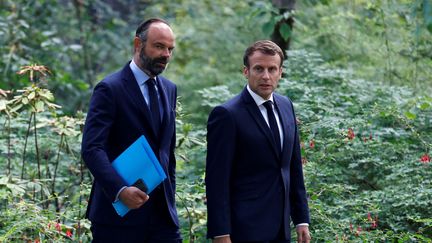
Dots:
pixel 154 104
pixel 273 124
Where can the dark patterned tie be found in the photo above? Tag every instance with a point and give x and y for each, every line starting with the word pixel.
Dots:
pixel 154 104
pixel 273 124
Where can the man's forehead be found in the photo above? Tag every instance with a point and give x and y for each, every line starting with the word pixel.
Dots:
pixel 261 58
pixel 160 32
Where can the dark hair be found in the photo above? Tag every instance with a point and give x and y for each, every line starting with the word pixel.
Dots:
pixel 142 30
pixel 266 47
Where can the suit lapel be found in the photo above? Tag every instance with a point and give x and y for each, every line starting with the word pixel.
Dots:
pixel 135 94
pixel 259 120
pixel 167 114
pixel 285 114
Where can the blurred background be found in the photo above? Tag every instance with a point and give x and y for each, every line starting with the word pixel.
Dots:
pixel 358 72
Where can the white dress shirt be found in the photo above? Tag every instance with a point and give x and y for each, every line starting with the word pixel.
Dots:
pixel 260 103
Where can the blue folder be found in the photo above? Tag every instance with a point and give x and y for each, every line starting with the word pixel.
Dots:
pixel 138 162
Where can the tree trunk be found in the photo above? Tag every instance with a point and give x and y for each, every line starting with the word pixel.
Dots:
pixel 283 6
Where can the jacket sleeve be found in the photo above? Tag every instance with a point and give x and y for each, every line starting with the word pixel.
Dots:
pixel 100 118
pixel 298 199
pixel 221 133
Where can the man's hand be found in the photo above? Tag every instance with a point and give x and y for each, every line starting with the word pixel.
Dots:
pixel 303 235
pixel 133 197
pixel 223 239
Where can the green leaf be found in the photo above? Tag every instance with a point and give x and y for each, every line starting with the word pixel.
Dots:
pixel 16 189
pixel 46 94
pixel 31 95
pixel 268 28
pixel 424 106
pixel 39 106
pixel 2 105
pixel 429 27
pixel 410 115
pixel 285 31
pixel 16 108
pixel 4 180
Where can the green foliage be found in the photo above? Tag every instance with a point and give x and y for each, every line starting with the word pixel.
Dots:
pixel 73 37
pixel 42 187
pixel 366 143
pixel 362 153
pixel 382 40
pixel 210 39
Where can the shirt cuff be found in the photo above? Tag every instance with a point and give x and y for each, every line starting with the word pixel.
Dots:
pixel 220 236
pixel 302 224
pixel 118 193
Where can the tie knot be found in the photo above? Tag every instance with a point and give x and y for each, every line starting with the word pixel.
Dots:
pixel 151 82
pixel 268 105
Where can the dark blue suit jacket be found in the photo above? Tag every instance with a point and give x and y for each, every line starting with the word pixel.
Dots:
pixel 117 116
pixel 252 187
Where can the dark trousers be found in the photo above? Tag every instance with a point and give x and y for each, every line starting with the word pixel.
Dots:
pixel 280 238
pixel 157 227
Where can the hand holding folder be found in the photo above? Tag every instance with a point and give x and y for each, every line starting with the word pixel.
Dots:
pixel 139 167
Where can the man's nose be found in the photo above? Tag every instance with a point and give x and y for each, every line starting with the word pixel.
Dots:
pixel 266 74
pixel 166 53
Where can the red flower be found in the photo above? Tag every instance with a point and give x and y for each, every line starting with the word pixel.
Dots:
pixel 312 144
pixel 49 226
pixel 351 134
pixel 37 241
pixel 370 136
pixel 69 233
pixel 359 230
pixel 58 227
pixel 374 224
pixel 369 217
pixel 425 158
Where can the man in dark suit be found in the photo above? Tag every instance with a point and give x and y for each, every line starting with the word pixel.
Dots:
pixel 132 102
pixel 254 176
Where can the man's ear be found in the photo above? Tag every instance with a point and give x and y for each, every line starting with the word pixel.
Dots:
pixel 245 71
pixel 137 43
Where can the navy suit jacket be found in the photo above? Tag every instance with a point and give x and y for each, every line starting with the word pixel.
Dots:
pixel 252 187
pixel 117 116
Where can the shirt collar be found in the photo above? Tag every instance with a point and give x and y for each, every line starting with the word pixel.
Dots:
pixel 258 99
pixel 140 76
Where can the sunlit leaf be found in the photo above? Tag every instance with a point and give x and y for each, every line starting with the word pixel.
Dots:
pixel 31 95
pixel 2 105
pixel 46 94
pixel 39 106
pixel 425 106
pixel 410 115
pixel 17 190
pixel 16 107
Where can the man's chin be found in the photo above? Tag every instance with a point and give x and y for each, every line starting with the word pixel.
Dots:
pixel 157 71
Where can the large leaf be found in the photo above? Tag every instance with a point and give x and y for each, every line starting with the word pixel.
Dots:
pixel 285 31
